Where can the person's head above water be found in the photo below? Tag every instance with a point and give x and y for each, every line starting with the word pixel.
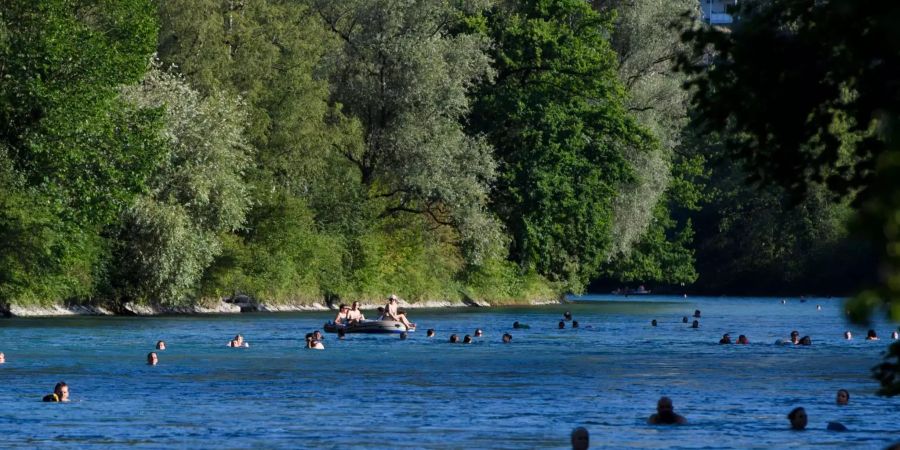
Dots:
pixel 895 335
pixel 567 315
pixel 516 324
pixel 467 339
pixel 798 418
pixel 62 391
pixel 2 358
pixel 160 345
pixel 574 324
pixel 653 323
pixel 697 313
pixel 726 339
pixel 684 319
pixel 871 335
pixel 562 324
pixel 696 324
pixel 430 332
pixel 478 332
pixel 742 340
pixel 580 439
pixel 507 338
pixel 795 337
pixel 665 413
pixel 454 338
pixel 152 358
pixel 848 335
pixel 843 397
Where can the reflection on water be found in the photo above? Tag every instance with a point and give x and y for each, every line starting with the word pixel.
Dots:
pixel 379 392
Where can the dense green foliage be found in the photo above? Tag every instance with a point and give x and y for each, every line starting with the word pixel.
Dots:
pixel 805 94
pixel 299 151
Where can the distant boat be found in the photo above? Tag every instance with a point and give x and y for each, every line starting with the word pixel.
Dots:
pixel 628 291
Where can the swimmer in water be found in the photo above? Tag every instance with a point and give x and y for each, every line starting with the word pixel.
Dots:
pixel 696 324
pixel 567 315
pixel 60 393
pixel 478 332
pixel 574 324
pixel 871 336
pixel 507 338
pixel 312 343
pixel 696 313
pixel 562 324
pixel 726 339
pixel 795 337
pixel 848 335
pixel 2 358
pixel 843 397
pixel 152 359
pixel 798 419
pixel 653 323
pixel 317 335
pixel 580 439
pixel 895 335
pixel 684 319
pixel 818 307
pixel 467 339
pixel 454 339
pixel 160 345
pixel 238 341
pixel 665 414
pixel 806 340
pixel 743 340
pixel 518 325
pixel 430 332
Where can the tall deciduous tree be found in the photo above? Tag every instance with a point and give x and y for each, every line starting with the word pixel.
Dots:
pixel 558 120
pixel 405 77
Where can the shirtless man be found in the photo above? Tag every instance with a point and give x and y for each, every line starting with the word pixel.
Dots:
pixel 391 312
pixel 355 315
pixel 60 393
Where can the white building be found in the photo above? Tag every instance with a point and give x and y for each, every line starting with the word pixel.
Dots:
pixel 715 12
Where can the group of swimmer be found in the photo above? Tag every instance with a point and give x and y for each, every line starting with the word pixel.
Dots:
pixel 666 415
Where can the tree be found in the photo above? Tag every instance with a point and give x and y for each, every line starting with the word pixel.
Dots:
pixel 557 118
pixel 74 155
pixel 171 234
pixel 806 93
pixel 405 77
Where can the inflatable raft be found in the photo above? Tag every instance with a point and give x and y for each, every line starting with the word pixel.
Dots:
pixel 370 326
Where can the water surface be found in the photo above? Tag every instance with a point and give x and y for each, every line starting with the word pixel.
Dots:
pixel 380 392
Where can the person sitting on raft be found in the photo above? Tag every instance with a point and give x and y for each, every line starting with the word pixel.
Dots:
pixel 355 315
pixel 392 313
pixel 343 315
pixel 60 393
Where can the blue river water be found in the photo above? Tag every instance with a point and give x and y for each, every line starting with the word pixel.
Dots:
pixel 376 391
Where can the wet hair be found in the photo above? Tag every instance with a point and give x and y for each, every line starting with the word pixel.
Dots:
pixel 567 315
pixel 454 338
pixel 478 332
pixel 151 355
pixel 795 333
pixel 653 322
pixel 697 313
pixel 845 392
pixel 696 324
pixel 742 339
pixel 684 319
pixel 403 336
pixel 507 337
pixel 580 439
pixel 666 416
pixel 871 334
pixel 726 339
pixel 59 386
pixel 794 412
pixel 562 324
pixel 430 332
pixel 574 324
pixel 806 340
pixel 467 339
pixel 159 343
pixel 516 324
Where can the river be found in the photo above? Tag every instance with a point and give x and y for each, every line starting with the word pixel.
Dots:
pixel 380 392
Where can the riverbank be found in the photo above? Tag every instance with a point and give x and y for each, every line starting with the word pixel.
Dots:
pixel 236 306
